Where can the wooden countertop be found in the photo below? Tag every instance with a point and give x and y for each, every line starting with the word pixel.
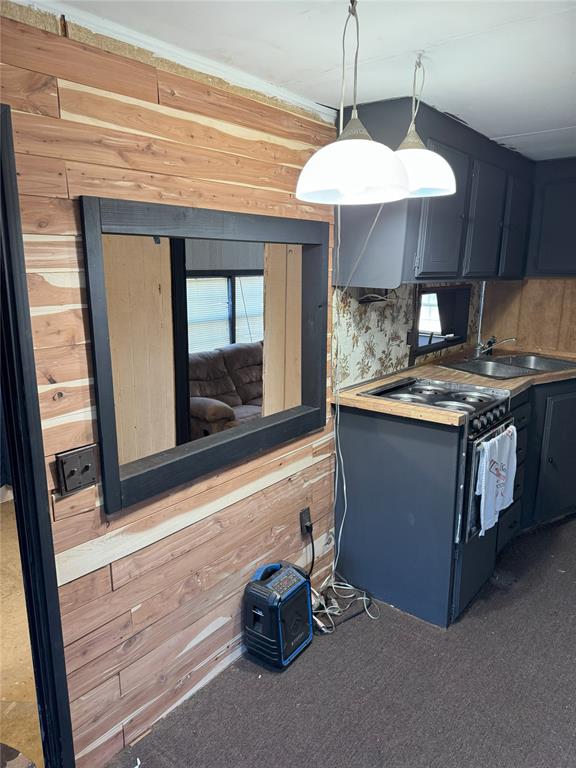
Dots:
pixel 353 397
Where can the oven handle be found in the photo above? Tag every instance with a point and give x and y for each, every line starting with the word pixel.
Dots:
pixel 493 432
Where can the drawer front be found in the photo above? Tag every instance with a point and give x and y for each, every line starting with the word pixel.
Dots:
pixel 509 524
pixel 519 482
pixel 521 416
pixel 521 446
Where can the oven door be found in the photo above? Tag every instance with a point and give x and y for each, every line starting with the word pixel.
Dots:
pixel 472 524
pixel 475 554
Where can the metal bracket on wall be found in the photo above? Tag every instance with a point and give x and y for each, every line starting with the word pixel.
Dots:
pixel 76 469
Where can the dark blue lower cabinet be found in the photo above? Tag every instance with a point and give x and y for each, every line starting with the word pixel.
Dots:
pixel 550 478
pixel 399 537
pixel 556 489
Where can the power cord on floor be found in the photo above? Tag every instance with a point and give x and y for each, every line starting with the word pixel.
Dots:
pixel 332 605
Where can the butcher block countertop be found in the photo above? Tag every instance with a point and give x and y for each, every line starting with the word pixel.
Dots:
pixel 352 397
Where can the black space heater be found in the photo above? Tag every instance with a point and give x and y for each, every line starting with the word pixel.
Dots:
pixel 278 613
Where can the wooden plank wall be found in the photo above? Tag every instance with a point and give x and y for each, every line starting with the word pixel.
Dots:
pixel 150 601
pixel 139 297
pixel 541 314
pixel 282 370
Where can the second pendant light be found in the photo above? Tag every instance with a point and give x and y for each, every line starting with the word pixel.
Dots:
pixel 429 174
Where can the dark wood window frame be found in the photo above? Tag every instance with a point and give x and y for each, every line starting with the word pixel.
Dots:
pixel 128 484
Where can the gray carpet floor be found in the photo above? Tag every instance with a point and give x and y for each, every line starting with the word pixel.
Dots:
pixel 496 690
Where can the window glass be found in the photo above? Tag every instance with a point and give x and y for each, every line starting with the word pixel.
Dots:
pixel 208 308
pixel 249 304
pixel 442 318
pixel 429 314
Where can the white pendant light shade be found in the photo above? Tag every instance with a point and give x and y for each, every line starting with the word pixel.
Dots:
pixel 355 171
pixel 429 175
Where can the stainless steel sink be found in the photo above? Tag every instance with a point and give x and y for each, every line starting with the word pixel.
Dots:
pixel 512 366
pixel 537 362
pixel 494 369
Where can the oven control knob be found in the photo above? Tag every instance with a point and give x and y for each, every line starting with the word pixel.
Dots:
pixel 476 425
pixel 490 417
pixel 483 421
pixel 502 410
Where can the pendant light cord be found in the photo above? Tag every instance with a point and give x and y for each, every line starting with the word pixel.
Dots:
pixel 352 13
pixel 418 67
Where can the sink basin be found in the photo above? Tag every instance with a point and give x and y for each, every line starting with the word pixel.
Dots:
pixel 494 369
pixel 537 362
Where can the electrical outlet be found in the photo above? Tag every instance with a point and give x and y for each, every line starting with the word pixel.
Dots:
pixel 76 469
pixel 305 521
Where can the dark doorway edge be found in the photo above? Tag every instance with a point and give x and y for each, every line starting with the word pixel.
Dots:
pixel 24 436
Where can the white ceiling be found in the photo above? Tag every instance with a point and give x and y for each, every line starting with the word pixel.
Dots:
pixel 507 68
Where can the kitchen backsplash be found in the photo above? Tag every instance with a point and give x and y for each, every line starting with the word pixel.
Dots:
pixel 371 339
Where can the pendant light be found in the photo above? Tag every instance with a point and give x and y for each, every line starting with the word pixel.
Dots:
pixel 429 175
pixel 354 169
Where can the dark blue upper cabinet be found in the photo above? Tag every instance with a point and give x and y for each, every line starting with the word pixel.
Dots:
pixel 442 221
pixel 480 231
pixel 516 228
pixel 485 221
pixel 552 250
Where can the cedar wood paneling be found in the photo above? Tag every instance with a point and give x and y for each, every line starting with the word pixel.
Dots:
pixel 158 613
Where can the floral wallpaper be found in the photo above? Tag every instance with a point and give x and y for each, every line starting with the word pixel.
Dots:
pixel 370 340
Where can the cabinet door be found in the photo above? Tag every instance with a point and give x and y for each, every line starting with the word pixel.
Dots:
pixel 372 240
pixel 484 231
pixel 552 237
pixel 442 221
pixel 556 493
pixel 516 228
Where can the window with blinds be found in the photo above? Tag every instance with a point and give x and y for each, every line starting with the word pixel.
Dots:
pixel 249 308
pixel 208 313
pixel 224 310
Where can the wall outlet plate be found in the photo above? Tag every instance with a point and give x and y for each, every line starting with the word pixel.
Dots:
pixel 305 521
pixel 76 469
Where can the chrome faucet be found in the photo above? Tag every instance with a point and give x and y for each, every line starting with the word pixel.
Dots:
pixel 486 349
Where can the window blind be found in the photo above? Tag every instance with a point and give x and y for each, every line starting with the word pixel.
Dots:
pixel 207 307
pixel 249 301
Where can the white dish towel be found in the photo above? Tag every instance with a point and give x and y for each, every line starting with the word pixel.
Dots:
pixel 496 473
